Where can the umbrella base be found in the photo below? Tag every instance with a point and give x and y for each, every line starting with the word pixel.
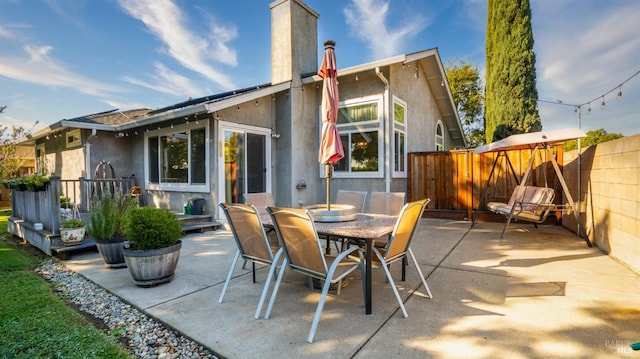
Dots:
pixel 337 213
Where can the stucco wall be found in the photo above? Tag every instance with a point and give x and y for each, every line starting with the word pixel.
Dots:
pixel 610 175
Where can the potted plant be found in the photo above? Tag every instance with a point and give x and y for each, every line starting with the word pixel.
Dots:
pixel 36 182
pixel 72 231
pixel 153 247
pixel 108 218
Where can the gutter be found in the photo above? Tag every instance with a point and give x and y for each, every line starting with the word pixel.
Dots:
pixel 387 129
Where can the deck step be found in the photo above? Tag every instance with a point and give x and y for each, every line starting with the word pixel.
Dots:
pixel 200 226
pixel 63 252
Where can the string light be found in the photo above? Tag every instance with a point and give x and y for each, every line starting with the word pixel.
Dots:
pixel 619 97
pixel 603 104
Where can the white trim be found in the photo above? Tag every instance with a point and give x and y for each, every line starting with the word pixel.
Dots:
pixel 441 137
pixel 404 130
pixel 178 187
pixel 376 125
pixel 223 126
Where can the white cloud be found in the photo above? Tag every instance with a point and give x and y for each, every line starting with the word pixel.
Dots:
pixel 39 68
pixel 169 82
pixel 166 21
pixel 368 20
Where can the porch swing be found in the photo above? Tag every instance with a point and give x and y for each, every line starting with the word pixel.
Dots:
pixel 527 202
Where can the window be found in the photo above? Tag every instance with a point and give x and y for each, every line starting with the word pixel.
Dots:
pixel 439 137
pixel 177 158
pixel 399 138
pixel 73 138
pixel 359 123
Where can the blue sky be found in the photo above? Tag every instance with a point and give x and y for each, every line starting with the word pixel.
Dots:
pixel 67 58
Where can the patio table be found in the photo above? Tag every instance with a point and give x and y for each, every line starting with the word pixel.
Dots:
pixel 364 229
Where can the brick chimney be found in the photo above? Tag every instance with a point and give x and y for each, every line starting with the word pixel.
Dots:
pixel 294 37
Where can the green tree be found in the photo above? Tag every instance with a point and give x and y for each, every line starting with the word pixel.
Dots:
pixel 466 89
pixel 9 161
pixel 593 138
pixel 511 94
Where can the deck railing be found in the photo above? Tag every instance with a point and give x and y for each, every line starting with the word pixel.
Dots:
pixel 44 206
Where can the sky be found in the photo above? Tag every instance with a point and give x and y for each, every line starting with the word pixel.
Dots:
pixel 62 59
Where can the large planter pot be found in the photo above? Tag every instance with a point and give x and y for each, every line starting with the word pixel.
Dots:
pixel 72 236
pixel 152 267
pixel 111 252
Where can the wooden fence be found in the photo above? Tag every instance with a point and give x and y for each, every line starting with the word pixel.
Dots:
pixel 456 180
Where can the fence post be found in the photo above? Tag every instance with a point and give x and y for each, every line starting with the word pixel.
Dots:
pixel 84 196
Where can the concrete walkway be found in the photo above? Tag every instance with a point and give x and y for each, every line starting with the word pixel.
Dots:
pixel 539 293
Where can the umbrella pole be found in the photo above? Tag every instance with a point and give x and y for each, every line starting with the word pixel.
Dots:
pixel 328 170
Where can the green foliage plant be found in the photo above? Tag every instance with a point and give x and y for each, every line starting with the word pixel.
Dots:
pixel 126 204
pixel 103 217
pixel 73 223
pixel 511 94
pixel 153 228
pixel 593 138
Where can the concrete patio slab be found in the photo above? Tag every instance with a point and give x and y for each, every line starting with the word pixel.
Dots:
pixel 538 293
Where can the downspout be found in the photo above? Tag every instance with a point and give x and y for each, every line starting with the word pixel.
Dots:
pixel 387 131
pixel 87 154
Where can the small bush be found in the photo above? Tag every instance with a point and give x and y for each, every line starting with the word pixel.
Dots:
pixel 152 228
pixel 73 223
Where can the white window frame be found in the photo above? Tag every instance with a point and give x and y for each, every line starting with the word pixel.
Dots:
pixel 221 127
pixel 400 128
pixel 178 187
pixel 440 145
pixel 376 125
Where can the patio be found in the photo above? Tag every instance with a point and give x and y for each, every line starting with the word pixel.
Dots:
pixel 537 293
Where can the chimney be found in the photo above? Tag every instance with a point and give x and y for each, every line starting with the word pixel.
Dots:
pixel 294 37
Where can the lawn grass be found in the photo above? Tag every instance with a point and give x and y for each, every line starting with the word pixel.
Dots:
pixel 35 322
pixel 5 213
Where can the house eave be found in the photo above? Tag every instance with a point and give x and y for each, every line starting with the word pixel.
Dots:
pixel 247 97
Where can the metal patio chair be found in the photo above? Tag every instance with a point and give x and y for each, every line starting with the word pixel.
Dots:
pixel 253 244
pixel 303 253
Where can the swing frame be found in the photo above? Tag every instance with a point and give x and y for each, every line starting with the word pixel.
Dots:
pixel 535 141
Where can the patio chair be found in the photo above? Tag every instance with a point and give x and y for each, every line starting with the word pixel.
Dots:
pixel 399 246
pixel 354 198
pixel 252 242
pixel 388 203
pixel 261 200
pixel 303 253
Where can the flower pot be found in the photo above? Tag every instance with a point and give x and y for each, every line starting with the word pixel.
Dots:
pixel 152 267
pixel 72 236
pixel 111 252
pixel 35 188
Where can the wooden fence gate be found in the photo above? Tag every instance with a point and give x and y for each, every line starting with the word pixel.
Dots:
pixel 455 180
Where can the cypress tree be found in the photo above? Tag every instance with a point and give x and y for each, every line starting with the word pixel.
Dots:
pixel 511 94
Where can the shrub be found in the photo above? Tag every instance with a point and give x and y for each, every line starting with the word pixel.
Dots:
pixel 152 228
pixel 103 217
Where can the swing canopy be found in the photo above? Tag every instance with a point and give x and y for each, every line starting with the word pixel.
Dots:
pixel 532 140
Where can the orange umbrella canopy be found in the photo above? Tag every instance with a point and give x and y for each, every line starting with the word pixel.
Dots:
pixel 331 150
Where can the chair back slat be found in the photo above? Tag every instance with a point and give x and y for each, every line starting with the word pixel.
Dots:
pixel 298 237
pixel 248 231
pixel 389 203
pixel 406 224
pixel 354 198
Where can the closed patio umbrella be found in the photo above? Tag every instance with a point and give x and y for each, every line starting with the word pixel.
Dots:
pixel 331 150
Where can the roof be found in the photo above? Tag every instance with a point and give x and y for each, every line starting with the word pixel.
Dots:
pixel 532 140
pixel 435 74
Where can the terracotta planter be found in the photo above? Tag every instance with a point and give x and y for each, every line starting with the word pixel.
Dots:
pixel 152 267
pixel 111 251
pixel 72 236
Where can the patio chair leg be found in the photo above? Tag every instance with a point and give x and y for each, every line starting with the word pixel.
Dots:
pixel 424 282
pixel 226 283
pixel 253 267
pixel 267 282
pixel 395 290
pixel 275 289
pixel 316 317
